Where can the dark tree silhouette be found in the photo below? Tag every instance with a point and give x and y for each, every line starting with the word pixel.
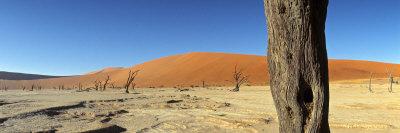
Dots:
pixel 390 83
pixel 97 85
pixel 238 78
pixel 131 77
pixel 298 64
pixel 370 82
pixel 106 82
pixel 80 86
pixel 32 87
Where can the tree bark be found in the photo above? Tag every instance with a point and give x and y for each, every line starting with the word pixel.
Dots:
pixel 298 64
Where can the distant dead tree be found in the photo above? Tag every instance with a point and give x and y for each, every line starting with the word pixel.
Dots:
pixel 112 84
pixel 39 87
pixel 80 86
pixel 32 87
pixel 204 84
pixel 61 87
pixel 97 85
pixel 131 77
pixel 106 82
pixel 238 78
pixel 370 82
pixel 5 87
pixel 390 80
pixel 298 64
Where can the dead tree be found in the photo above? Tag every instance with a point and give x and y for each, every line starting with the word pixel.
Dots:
pixel 239 78
pixel 112 84
pixel 131 77
pixel 370 82
pixel 133 86
pixel 80 86
pixel 390 82
pixel 32 87
pixel 298 64
pixel 97 85
pixel 5 87
pixel 61 87
pixel 38 86
pixel 204 84
pixel 106 82
pixel 389 72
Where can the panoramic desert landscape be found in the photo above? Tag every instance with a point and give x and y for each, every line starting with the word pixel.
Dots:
pixel 205 66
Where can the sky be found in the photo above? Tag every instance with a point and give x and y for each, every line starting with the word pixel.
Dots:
pixel 70 37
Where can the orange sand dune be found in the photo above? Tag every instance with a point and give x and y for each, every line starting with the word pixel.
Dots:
pixel 212 68
pixel 105 70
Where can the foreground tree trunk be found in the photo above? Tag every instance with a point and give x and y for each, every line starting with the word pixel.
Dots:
pixel 298 64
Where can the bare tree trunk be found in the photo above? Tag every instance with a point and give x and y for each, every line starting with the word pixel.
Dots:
pixel 80 86
pixel 236 89
pixel 298 64
pixel 370 81
pixel 32 87
pixel 390 82
pixel 126 90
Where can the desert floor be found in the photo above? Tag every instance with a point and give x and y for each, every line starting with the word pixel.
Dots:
pixel 352 109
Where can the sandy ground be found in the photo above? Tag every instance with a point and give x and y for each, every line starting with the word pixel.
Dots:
pixel 352 109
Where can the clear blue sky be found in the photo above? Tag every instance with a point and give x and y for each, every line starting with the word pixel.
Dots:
pixel 65 37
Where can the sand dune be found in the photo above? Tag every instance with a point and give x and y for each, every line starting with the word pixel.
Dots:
pixel 23 76
pixel 105 70
pixel 212 68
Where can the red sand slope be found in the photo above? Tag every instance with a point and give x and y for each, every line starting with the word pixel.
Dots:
pixel 213 68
